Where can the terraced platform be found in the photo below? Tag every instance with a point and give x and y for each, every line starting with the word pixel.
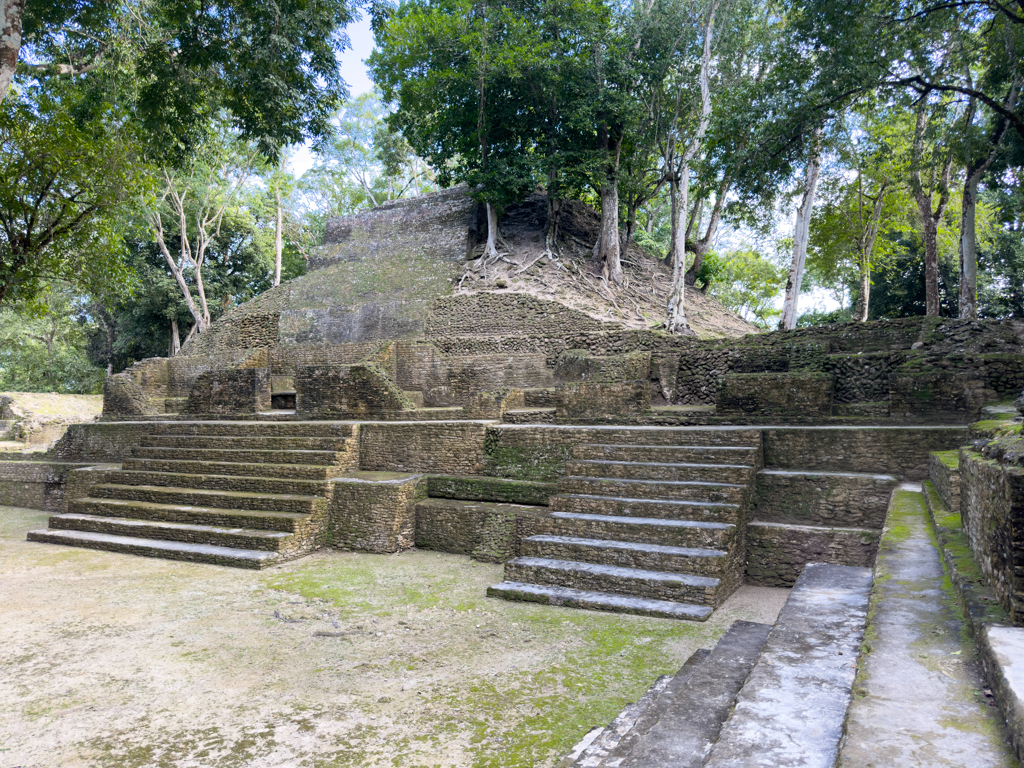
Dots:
pixel 643 527
pixel 243 494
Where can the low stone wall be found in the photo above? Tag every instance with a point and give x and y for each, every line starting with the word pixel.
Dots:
pixel 373 514
pixel 441 447
pixel 244 390
pixel 34 484
pixel 834 499
pixel 944 472
pixel 901 451
pixel 861 378
pixel 803 394
pixel 486 532
pixel 777 553
pixel 602 402
pixel 947 395
pixel 100 442
pixel 477 488
pixel 992 508
pixel 347 392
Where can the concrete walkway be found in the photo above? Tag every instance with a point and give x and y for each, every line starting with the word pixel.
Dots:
pixel 918 699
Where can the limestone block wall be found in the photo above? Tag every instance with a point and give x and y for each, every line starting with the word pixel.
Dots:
pixel 373 513
pixel 861 378
pixel 944 472
pixel 244 390
pixel 777 553
pixel 992 509
pixel 838 499
pixel 346 392
pixel 34 484
pixel 798 394
pixel 484 531
pixel 901 451
pixel 441 447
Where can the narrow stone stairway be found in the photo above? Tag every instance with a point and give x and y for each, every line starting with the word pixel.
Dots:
pixel 650 529
pixel 765 696
pixel 245 494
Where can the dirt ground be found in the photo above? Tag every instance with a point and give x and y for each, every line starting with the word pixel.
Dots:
pixel 339 659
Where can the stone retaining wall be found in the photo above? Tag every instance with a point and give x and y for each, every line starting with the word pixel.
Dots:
pixel 776 553
pixel 832 499
pixel 373 514
pixel 34 484
pixel 944 472
pixel 901 451
pixel 992 508
pixel 442 447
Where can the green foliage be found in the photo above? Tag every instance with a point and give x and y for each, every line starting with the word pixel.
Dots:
pixel 42 344
pixel 68 168
pixel 749 284
pixel 818 317
pixel 178 63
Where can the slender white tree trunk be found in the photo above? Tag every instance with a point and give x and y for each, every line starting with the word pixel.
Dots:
pixel 610 252
pixel 969 247
pixel 278 242
pixel 175 339
pixel 679 192
pixel 801 234
pixel 492 231
pixel 675 320
pixel 11 12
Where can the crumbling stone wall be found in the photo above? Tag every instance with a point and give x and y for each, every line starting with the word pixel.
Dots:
pixel 992 508
pixel 245 390
pixel 345 392
pixel 831 499
pixel 442 447
pixel 374 514
pixel 944 472
pixel 862 378
pixel 798 394
pixel 777 554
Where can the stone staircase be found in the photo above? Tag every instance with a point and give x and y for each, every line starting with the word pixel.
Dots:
pixel 244 494
pixel 765 696
pixel 652 529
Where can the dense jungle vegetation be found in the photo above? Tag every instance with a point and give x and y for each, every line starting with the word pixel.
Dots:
pixel 871 152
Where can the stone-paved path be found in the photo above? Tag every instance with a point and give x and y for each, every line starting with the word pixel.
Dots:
pixel 918 699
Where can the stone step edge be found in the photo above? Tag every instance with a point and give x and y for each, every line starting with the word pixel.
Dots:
pixel 630 545
pixel 656 482
pixel 128 543
pixel 598 601
pixel 788 526
pixel 228 450
pixel 652 521
pixel 276 465
pixel 616 571
pixel 685 465
pixel 680 502
pixel 808 473
pixel 142 523
pixel 223 511
pixel 671 447
pixel 208 492
pixel 206 476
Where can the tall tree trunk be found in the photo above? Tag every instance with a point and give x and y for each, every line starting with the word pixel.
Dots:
pixel 860 311
pixel 609 252
pixel 675 321
pixel 969 246
pixel 801 235
pixel 930 219
pixel 679 190
pixel 11 12
pixel 702 246
pixel 492 230
pixel 968 236
pixel 175 339
pixel 278 239
pixel 553 223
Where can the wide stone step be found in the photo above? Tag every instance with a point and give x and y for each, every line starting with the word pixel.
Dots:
pixel 269 443
pixel 211 482
pixel 287 522
pixel 713 512
pixel 648 470
pixel 597 434
pixel 685 721
pixel 270 502
pixel 694 454
pixel 239 538
pixel 674 533
pixel 598 601
pixel 255 428
pixel 691 490
pixel 284 471
pixel 244 456
pixel 627 554
pixel 792 708
pixel 170 550
pixel 612 579
pixel 529 416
